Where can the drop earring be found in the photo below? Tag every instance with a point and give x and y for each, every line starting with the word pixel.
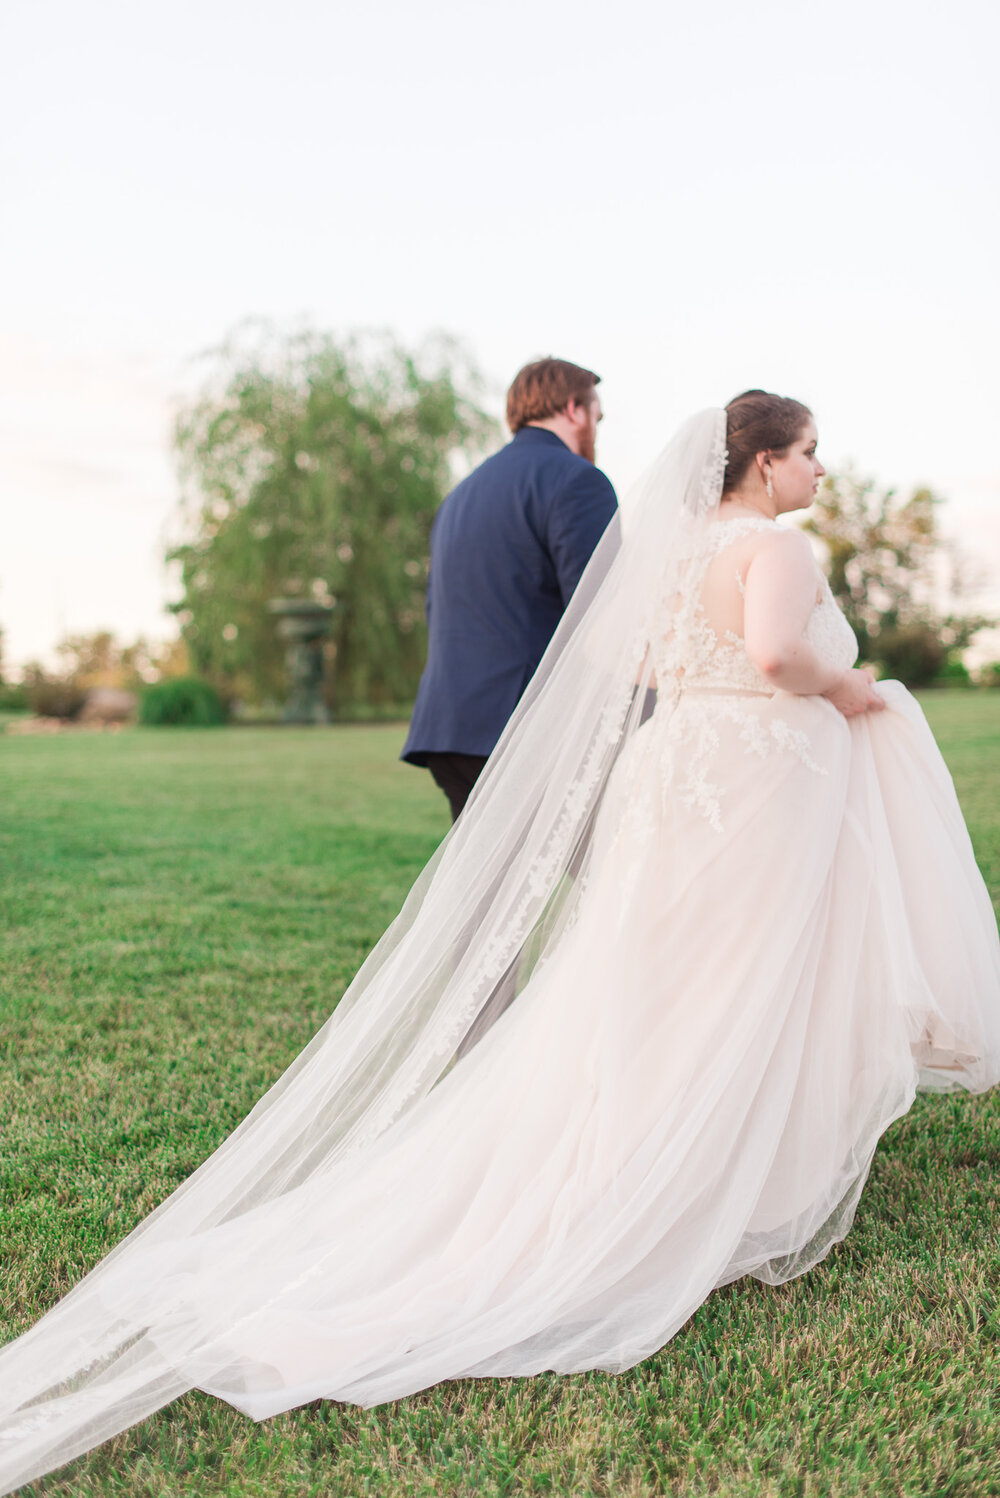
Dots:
pixel 769 488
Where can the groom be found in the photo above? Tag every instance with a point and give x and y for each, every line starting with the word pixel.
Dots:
pixel 508 547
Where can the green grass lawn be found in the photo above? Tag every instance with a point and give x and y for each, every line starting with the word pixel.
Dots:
pixel 182 909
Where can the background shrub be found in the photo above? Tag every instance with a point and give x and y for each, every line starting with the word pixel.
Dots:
pixel 54 697
pixel 953 674
pixel 14 699
pixel 912 653
pixel 182 701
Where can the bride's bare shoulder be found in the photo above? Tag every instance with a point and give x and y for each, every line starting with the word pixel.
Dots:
pixel 783 544
pixel 783 564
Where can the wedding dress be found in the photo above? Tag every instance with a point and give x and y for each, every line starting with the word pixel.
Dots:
pixel 747 930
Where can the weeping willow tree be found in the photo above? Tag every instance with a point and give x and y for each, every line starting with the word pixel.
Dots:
pixel 312 467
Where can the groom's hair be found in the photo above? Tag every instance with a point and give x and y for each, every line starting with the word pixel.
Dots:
pixel 758 422
pixel 545 388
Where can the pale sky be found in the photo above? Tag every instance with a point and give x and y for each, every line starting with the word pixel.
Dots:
pixel 689 199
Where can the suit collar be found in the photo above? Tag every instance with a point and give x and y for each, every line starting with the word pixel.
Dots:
pixel 540 434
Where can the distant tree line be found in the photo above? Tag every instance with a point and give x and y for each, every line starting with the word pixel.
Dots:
pixel 86 661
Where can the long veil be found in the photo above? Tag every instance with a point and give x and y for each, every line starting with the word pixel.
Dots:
pixel 493 902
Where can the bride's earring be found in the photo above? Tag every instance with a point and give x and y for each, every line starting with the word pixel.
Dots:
pixel 769 488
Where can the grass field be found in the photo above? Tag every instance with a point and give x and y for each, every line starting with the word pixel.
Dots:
pixel 180 912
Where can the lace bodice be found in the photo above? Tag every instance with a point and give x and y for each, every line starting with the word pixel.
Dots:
pixel 694 655
pixel 829 633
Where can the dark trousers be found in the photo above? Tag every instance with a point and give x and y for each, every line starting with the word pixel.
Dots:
pixel 456 774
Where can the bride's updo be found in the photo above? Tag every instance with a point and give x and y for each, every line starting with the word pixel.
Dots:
pixel 758 422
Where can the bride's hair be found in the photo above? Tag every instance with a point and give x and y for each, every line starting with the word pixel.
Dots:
pixel 758 422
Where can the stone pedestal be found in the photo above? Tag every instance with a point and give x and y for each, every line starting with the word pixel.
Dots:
pixel 303 625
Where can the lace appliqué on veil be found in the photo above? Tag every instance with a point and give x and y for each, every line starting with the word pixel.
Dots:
pixel 510 937
pixel 714 471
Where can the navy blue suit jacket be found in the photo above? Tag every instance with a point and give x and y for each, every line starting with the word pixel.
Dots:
pixel 508 546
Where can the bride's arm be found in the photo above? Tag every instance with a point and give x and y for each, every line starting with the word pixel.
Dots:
pixel 779 597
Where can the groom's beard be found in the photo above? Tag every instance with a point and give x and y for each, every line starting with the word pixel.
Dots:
pixel 588 446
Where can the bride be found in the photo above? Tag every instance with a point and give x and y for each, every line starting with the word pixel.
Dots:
pixel 745 928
